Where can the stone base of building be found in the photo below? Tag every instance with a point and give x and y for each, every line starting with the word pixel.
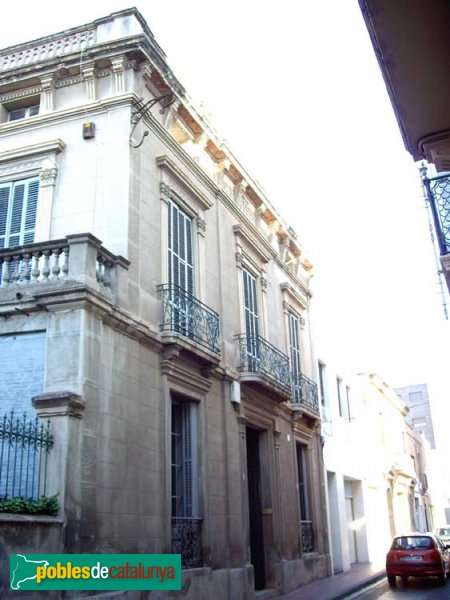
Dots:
pixel 298 572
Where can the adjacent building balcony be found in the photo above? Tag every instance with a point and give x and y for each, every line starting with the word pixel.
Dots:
pixel 264 365
pixel 438 191
pixel 54 271
pixel 305 394
pixel 189 324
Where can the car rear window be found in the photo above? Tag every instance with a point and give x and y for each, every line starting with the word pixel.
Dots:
pixel 412 543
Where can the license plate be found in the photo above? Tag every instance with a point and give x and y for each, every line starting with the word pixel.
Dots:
pixel 411 558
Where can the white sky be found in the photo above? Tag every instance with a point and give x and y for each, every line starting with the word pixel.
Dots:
pixel 295 89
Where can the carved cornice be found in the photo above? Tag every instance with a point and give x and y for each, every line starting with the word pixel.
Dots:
pixel 58 404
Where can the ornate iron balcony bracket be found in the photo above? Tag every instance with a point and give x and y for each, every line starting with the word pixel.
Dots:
pixel 142 110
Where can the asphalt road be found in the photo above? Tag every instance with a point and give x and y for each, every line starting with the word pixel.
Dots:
pixel 414 589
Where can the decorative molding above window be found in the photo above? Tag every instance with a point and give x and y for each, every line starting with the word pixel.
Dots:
pixel 249 245
pixel 175 193
pixel 178 176
pixel 54 146
pixel 293 300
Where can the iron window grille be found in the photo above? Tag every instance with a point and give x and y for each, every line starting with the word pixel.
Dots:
pixel 25 443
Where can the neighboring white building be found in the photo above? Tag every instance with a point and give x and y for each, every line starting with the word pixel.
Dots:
pixel 375 467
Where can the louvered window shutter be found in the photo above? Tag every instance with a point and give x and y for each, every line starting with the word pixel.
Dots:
pixel 294 339
pixel 5 191
pixel 18 209
pixel 251 315
pixel 30 212
pixel 181 262
pixel 17 213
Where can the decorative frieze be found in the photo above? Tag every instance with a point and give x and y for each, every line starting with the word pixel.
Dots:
pixel 68 81
pixel 24 166
pixel 16 95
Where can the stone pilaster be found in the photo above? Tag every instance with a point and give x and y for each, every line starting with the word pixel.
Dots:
pixel 64 410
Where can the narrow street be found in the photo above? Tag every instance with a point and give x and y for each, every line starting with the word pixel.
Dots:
pixel 414 589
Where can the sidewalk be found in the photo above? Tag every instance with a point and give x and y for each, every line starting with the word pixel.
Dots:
pixel 339 586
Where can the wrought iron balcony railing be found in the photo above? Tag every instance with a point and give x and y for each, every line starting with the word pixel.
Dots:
pixel 438 190
pixel 304 392
pixel 187 541
pixel 258 356
pixel 183 313
pixel 307 536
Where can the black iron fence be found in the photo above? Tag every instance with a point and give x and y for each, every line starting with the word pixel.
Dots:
pixel 304 392
pixel 25 443
pixel 187 541
pixel 185 314
pixel 257 355
pixel 307 532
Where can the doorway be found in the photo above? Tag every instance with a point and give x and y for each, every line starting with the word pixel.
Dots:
pixel 255 507
pixel 350 517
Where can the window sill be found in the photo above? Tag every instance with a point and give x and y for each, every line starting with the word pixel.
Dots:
pixel 30 519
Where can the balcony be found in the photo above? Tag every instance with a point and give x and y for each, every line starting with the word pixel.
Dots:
pixel 56 270
pixel 304 393
pixel 189 324
pixel 264 365
pixel 438 191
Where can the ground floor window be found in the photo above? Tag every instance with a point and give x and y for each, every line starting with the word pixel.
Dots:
pixel 306 518
pixel 186 523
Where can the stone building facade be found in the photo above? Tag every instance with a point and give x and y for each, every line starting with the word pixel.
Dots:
pixel 164 307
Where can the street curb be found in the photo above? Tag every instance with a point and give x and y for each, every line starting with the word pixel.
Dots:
pixel 359 586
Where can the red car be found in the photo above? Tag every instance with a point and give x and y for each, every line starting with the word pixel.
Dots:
pixel 417 555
